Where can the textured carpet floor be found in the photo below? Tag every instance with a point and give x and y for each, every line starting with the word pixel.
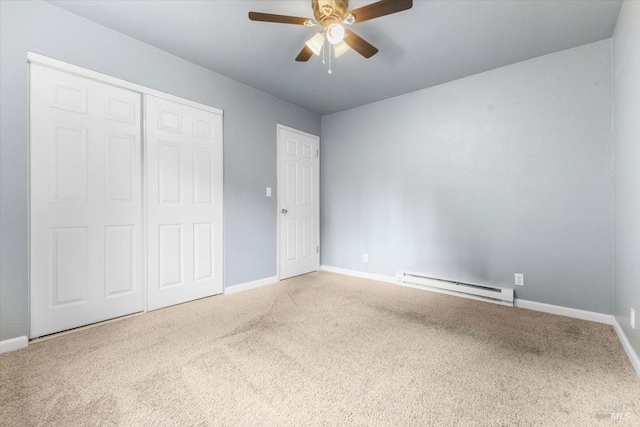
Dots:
pixel 325 349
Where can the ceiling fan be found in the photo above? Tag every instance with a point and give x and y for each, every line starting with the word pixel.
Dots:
pixel 332 16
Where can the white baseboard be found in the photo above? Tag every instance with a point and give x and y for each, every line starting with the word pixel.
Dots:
pixel 362 274
pixel 250 285
pixel 13 344
pixel 519 303
pixel 626 345
pixel 593 316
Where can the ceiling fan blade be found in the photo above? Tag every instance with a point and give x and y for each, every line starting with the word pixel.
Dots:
pixel 381 8
pixel 359 44
pixel 279 19
pixel 304 54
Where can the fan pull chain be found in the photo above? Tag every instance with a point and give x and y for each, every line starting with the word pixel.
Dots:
pixel 330 55
pixel 324 45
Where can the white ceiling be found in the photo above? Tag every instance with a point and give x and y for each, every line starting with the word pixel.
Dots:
pixel 430 44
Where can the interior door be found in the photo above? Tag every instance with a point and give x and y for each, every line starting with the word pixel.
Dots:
pixel 85 201
pixel 184 170
pixel 298 197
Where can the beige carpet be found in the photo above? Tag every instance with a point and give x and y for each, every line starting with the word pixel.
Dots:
pixel 325 349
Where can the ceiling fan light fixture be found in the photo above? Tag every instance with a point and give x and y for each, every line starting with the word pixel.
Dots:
pixel 315 43
pixel 335 33
pixel 350 19
pixel 340 48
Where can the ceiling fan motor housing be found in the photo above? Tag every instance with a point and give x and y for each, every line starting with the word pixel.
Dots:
pixel 328 12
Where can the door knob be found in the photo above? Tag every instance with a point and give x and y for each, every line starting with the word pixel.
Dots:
pixel 284 211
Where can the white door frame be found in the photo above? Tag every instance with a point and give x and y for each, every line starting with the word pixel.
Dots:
pixel 280 127
pixel 143 90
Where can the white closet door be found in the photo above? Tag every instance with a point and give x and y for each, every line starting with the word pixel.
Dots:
pixel 184 158
pixel 85 235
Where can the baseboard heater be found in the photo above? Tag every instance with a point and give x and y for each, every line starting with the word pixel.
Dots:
pixel 490 293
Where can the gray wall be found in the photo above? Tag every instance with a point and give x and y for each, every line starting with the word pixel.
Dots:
pixel 250 118
pixel 504 172
pixel 626 124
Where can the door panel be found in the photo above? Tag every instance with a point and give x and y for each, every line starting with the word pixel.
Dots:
pixel 170 254
pixel 203 251
pixel 70 163
pixel 119 258
pixel 120 155
pixel 70 265
pixel 202 176
pixel 184 158
pixel 85 204
pixel 299 202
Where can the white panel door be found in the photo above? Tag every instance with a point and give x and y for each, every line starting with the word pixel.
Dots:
pixel 184 170
pixel 86 212
pixel 298 199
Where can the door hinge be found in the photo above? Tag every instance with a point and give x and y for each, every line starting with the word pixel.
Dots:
pixel 317 249
pixel 317 153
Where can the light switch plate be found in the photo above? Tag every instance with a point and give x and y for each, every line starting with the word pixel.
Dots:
pixel 268 191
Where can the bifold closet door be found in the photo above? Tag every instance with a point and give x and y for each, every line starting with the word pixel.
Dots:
pixel 184 181
pixel 85 201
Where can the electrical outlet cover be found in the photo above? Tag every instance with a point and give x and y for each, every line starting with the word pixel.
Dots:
pixel 519 279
